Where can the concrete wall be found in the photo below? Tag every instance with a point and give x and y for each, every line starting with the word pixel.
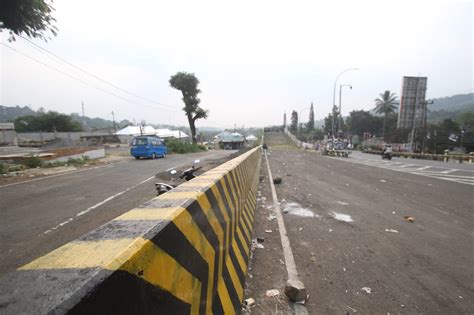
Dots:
pixel 92 154
pixel 8 137
pixel 185 252
pixel 48 136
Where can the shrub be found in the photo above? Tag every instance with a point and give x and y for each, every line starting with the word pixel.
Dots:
pixel 2 168
pixel 32 162
pixel 183 147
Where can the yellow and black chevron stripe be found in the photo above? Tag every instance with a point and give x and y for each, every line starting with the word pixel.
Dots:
pixel 185 252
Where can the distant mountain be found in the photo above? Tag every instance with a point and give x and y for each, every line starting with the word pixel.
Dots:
pixel 452 103
pixel 8 114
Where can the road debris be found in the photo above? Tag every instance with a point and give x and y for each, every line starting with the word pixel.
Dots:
pixel 249 302
pixel 295 290
pixel 271 217
pixel 296 209
pixel 272 293
pixel 268 231
pixel 342 217
pixel 352 309
pixel 330 230
pixel 383 181
pixel 260 239
pixel 277 180
pixel 366 290
pixel 256 244
pixel 281 261
pixel 342 203
pixel 409 218
pixel 391 231
pixel 300 229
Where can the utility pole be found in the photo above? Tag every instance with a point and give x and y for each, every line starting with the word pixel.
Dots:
pixel 82 103
pixel 113 119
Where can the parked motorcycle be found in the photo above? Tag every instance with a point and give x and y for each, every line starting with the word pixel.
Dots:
pixel 186 175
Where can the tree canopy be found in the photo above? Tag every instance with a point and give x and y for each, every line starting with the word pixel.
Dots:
pixel 188 83
pixel 385 105
pixel 294 121
pixel 47 122
pixel 310 124
pixel 30 17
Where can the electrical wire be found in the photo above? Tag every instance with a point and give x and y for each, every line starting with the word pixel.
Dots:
pixel 93 75
pixel 82 81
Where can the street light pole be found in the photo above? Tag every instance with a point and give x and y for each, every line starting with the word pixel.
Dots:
pixel 334 97
pixel 340 105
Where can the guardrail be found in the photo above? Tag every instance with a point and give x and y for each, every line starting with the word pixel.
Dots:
pixel 446 157
pixel 184 252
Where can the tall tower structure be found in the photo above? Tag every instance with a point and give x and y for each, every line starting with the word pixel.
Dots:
pixel 413 106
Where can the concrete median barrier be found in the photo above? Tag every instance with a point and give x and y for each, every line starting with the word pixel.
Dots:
pixel 185 252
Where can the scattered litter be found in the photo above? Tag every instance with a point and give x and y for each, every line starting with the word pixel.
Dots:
pixel 393 212
pixel 249 302
pixel 366 290
pixel 310 194
pixel 264 198
pixel 391 230
pixel 402 305
pixel 296 209
pixel 383 180
pixel 277 180
pixel 281 261
pixel 256 244
pixel 272 293
pixel 283 200
pixel 347 184
pixel 271 217
pixel 352 309
pixel 300 229
pixel 268 231
pixel 342 217
pixel 343 203
pixel 409 218
pixel 250 276
pixel 460 297
pixel 344 268
pixel 260 239
pixel 330 230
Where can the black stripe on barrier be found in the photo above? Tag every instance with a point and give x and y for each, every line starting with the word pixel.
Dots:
pixel 175 244
pixel 238 269
pixel 217 308
pixel 241 247
pixel 234 297
pixel 125 293
pixel 199 217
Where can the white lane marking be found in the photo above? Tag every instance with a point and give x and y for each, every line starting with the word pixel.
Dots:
pixel 407 165
pixel 285 242
pixel 97 205
pixel 51 176
pixel 173 168
pixel 423 168
pixel 449 171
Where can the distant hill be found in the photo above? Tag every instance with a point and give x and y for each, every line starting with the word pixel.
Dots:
pixel 452 103
pixel 9 114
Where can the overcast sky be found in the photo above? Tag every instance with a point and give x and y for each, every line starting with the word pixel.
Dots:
pixel 254 59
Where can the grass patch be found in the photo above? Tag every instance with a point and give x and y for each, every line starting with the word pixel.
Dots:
pixel 2 168
pixel 32 162
pixel 176 146
pixel 74 162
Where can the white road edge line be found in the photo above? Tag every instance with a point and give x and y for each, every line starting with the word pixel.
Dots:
pixel 97 205
pixel 285 242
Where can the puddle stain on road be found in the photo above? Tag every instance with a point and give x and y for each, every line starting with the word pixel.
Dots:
pixel 342 217
pixel 296 209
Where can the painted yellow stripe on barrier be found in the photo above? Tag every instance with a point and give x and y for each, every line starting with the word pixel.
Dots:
pixel 107 254
pixel 240 259
pixel 174 195
pixel 214 222
pixel 164 271
pixel 242 240
pixel 232 206
pixel 198 182
pixel 235 279
pixel 186 225
pixel 150 214
pixel 244 228
pixel 225 297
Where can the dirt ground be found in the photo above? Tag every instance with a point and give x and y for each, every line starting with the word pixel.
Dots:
pixel 353 250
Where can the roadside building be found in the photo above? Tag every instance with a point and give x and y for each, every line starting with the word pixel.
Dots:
pixel 8 135
pixel 413 106
pixel 126 134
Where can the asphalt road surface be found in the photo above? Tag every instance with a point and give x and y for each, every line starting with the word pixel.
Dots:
pixel 40 215
pixel 353 248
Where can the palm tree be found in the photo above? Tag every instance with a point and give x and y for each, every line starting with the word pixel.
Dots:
pixel 385 104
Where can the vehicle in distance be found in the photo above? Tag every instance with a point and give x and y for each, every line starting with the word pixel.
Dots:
pixel 148 146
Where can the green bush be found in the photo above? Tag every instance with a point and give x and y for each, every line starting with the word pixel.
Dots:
pixel 32 162
pixel 182 147
pixel 2 168
pixel 78 162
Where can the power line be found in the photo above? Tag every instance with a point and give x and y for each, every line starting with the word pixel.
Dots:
pixel 93 75
pixel 82 81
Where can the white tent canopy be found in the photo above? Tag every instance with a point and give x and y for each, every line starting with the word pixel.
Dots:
pixel 251 138
pixel 149 130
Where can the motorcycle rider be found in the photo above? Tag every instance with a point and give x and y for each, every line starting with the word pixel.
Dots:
pixel 387 151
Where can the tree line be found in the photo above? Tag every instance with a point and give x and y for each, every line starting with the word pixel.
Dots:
pixel 382 123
